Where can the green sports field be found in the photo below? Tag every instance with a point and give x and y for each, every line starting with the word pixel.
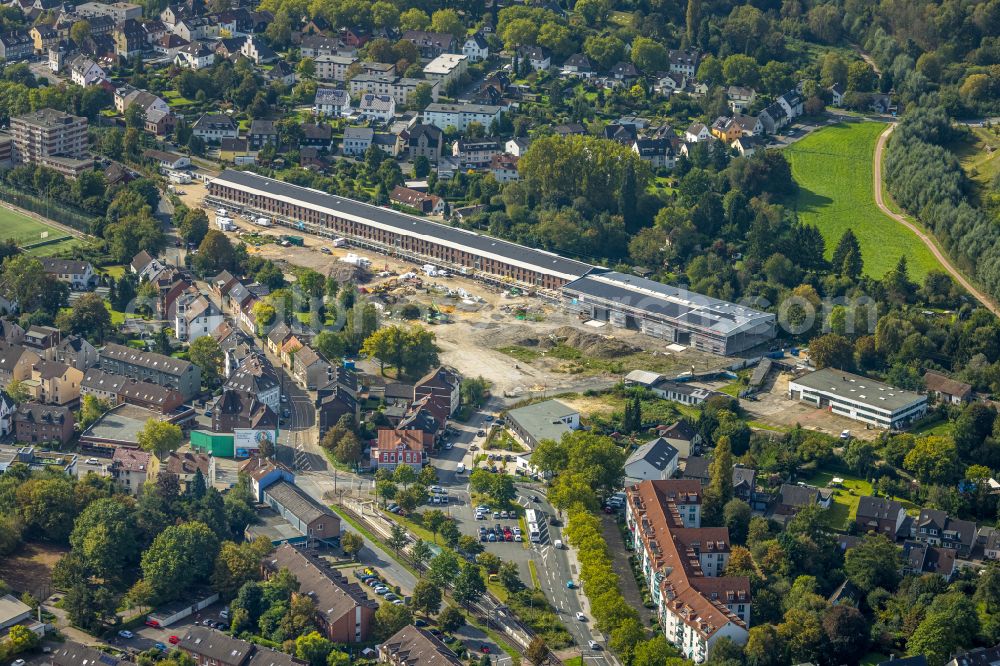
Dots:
pixel 25 230
pixel 833 167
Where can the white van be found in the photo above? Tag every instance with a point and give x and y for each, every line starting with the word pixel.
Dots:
pixel 460 469
pixel 558 544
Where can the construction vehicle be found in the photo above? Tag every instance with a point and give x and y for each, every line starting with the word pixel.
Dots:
pixel 295 240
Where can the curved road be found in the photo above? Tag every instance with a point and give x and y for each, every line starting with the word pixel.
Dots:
pixel 988 302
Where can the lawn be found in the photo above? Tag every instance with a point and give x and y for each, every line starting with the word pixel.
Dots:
pixel 847 497
pixel 979 155
pixel 26 230
pixel 833 167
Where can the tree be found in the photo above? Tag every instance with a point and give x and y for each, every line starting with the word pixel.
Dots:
pixel 474 391
pixel 338 658
pixel 736 515
pixel 451 619
pixel 215 254
pixel 765 647
pixel 448 21
pixel 509 577
pixel 348 449
pixel 89 317
pixel 740 70
pixel 179 557
pixel 873 563
pixel 313 648
pixel 352 543
pixel 194 226
pixel 604 50
pixel 537 651
pixel 160 437
pixel 18 391
pixel 951 623
pixel 848 243
pixel 433 520
pixel 238 564
pixel 414 19
pixel 206 353
pixel 46 507
pixel 720 485
pixel 692 20
pixel 444 569
pixel 847 633
pixel 450 533
pixel 420 552
pixel 832 351
pixel 397 538
pixel 933 459
pixel 106 538
pixel 390 618
pixel 469 584
pixel 426 597
pixel 649 56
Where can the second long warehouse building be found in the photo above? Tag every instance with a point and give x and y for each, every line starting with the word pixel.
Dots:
pixel 660 310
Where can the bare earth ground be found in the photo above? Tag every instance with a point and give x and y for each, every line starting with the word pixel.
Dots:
pixel 774 408
pixel 31 569
pixel 480 328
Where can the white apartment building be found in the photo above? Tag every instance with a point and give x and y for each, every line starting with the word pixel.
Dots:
pixel 460 116
pixel 859 398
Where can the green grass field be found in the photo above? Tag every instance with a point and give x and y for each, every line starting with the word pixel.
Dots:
pixel 833 167
pixel 847 497
pixel 25 230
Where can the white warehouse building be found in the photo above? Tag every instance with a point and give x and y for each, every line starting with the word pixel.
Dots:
pixel 859 398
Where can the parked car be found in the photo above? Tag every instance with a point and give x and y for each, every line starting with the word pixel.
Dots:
pixel 125 633
pixel 481 433
pixel 581 617
pixel 173 640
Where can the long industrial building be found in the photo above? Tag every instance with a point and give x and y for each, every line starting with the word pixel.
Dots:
pixel 668 313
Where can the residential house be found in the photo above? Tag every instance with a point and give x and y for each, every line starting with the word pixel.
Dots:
pixel 194 56
pixel 400 89
pixel 740 98
pixel 657 152
pixel 430 44
pixel 975 657
pixel 167 161
pixel 344 612
pixel 654 460
pixel 16 362
pixel 667 83
pixel 257 51
pixel 380 108
pixel 16 46
pixel 215 127
pixel 446 68
pixel 195 315
pixel 316 135
pixel 773 118
pixel 422 140
pixel 41 339
pixel 624 73
pixel 538 58
pixel 578 65
pixel 427 204
pixel 730 128
pixel 791 102
pixel 357 140
pixel 130 39
pixel 460 116
pixel 208 647
pixel 697 133
pixel 400 447
pixel 282 73
pixel 475 153
pixel 318 46
pixel 413 646
pixel 947 390
pixel 131 468
pixel 517 146
pixel 443 386
pixel 262 132
pixel 175 373
pixel 682 564
pixel 684 63
pixel 238 410
pixel 78 274
pixel 34 423
pixel 310 369
pixel 229 48
pixel 186 465
pixel 937 528
pixel 43 37
pixel 882 516
pixel 745 483
pixel 837 92
pixel 504 168
pixel 237 151
pixel 332 102
pixel 7 410
pixel 84 71
pixel 476 48
pixel 793 498
pixel 54 383
pixel 920 558
pixel 337 398
pixel 748 145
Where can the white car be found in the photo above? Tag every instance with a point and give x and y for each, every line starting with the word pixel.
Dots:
pixel 593 645
pixel 581 617
pixel 125 633
pixel 93 461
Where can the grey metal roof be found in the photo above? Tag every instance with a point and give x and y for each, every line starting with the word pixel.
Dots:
pixel 541 420
pixel 657 453
pixel 409 225
pixel 671 302
pixel 860 389
pixel 296 502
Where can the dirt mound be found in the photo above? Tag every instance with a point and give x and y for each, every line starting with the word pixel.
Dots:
pixel 593 344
